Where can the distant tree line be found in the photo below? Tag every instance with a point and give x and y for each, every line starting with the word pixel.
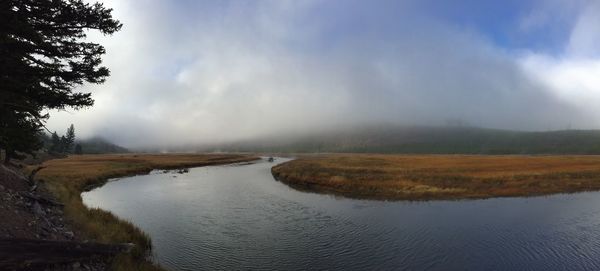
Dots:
pixel 64 144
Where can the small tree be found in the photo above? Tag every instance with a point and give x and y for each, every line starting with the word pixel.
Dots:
pixel 56 146
pixel 63 141
pixel 78 149
pixel 69 139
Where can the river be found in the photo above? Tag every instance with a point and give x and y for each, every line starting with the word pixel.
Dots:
pixel 236 217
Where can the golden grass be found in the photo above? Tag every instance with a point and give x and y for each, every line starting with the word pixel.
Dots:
pixel 427 177
pixel 68 178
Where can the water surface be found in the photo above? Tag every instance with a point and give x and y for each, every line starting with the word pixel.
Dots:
pixel 239 217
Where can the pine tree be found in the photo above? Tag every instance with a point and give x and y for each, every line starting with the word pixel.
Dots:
pixel 78 149
pixel 63 142
pixel 69 139
pixel 56 146
pixel 43 57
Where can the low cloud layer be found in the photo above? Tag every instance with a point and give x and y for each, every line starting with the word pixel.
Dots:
pixel 199 72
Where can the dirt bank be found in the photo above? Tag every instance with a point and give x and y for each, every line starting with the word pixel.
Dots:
pixel 31 214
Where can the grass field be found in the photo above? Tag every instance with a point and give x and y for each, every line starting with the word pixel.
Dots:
pixel 428 177
pixel 68 178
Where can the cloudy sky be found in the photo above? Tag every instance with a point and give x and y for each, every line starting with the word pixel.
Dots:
pixel 197 72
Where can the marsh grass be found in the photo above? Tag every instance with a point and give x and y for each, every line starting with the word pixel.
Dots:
pixel 67 178
pixel 428 177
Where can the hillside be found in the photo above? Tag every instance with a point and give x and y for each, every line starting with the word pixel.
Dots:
pixel 98 146
pixel 429 140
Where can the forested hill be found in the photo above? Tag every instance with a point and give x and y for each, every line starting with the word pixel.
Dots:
pixel 430 140
pixel 99 145
pixel 95 145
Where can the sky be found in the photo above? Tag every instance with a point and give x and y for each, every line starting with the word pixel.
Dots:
pixel 207 72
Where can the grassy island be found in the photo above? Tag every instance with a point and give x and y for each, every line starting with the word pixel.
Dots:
pixel 430 177
pixel 68 178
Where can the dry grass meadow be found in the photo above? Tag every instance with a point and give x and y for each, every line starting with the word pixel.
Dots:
pixel 428 177
pixel 67 178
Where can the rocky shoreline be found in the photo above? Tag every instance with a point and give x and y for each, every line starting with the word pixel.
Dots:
pixel 31 213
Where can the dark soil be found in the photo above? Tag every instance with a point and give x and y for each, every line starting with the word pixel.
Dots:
pixel 23 217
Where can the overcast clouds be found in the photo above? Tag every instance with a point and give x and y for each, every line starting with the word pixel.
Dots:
pixel 193 72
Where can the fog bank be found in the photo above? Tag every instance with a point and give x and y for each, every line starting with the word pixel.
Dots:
pixel 206 72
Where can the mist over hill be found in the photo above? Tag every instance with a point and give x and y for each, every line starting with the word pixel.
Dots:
pixel 423 140
pixel 226 71
pixel 98 145
pixel 92 145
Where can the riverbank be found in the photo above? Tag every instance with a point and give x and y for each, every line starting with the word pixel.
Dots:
pixel 31 215
pixel 432 177
pixel 67 178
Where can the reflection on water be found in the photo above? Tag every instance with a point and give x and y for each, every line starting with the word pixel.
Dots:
pixel 239 217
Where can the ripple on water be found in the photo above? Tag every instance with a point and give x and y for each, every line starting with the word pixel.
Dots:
pixel 238 217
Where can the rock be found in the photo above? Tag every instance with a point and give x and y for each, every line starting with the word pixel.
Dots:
pixel 69 234
pixel 128 247
pixel 45 228
pixel 37 209
pixel 76 265
pixel 1 187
